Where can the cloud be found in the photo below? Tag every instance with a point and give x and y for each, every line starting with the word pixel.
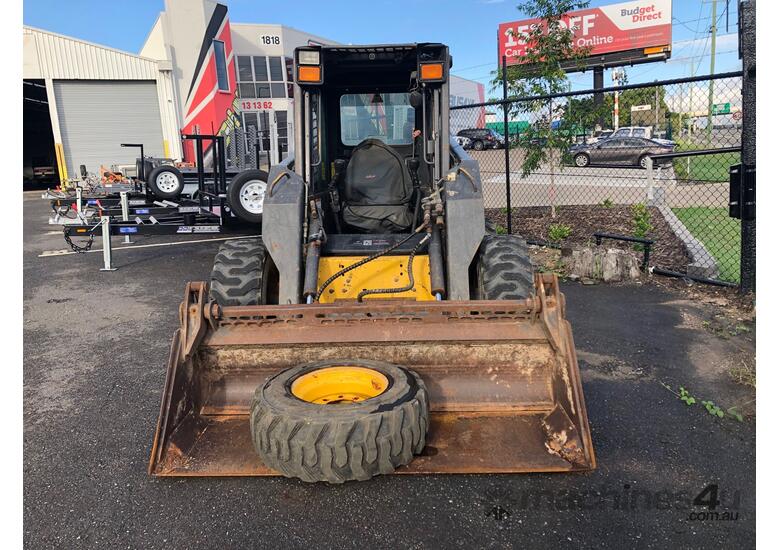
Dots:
pixel 694 97
pixel 686 48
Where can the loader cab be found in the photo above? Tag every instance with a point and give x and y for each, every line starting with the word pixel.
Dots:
pixel 367 111
pixel 374 171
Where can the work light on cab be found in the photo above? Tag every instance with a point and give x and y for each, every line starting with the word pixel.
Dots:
pixel 309 69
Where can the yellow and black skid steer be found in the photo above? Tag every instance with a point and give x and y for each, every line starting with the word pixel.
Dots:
pixel 377 326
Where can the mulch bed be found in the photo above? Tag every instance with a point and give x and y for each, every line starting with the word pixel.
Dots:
pixel 533 223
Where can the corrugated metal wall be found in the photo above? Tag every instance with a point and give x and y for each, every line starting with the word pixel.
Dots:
pixel 96 116
pixel 63 57
pixel 57 58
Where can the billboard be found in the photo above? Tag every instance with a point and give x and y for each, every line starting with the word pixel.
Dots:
pixel 617 34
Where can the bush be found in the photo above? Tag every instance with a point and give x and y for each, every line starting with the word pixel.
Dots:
pixel 558 231
pixel 641 220
pixel 607 203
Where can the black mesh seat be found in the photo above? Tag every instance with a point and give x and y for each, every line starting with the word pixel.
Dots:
pixel 377 190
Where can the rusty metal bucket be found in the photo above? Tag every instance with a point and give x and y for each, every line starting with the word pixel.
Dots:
pixel 504 385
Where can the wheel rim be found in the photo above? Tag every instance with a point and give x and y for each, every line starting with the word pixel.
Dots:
pixel 479 146
pixel 339 385
pixel 581 160
pixel 167 182
pixel 252 195
pixel 643 162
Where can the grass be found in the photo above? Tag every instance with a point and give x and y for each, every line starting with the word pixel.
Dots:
pixel 744 374
pixel 718 233
pixel 710 168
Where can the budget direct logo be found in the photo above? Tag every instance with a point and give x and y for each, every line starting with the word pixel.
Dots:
pixel 642 13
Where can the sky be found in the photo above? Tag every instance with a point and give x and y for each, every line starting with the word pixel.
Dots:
pixel 467 26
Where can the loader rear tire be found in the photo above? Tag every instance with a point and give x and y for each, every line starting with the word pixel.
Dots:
pixel 240 276
pixel 339 442
pixel 504 270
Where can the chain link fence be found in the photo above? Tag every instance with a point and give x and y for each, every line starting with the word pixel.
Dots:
pixel 647 160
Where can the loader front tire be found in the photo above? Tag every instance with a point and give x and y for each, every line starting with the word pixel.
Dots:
pixel 354 435
pixel 241 275
pixel 504 270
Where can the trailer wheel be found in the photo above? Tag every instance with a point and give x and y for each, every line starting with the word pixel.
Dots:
pixel 246 194
pixel 504 270
pixel 243 274
pixel 166 182
pixel 339 421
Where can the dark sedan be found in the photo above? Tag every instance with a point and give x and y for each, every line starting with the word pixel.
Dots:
pixel 629 151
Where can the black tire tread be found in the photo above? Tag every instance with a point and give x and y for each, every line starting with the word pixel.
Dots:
pixel 504 271
pixel 238 272
pixel 341 449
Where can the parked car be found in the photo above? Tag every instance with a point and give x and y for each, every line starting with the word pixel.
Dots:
pixel 603 134
pixel 641 132
pixel 464 142
pixel 618 150
pixel 483 138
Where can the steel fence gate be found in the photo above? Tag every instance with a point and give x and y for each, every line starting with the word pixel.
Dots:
pixel 647 160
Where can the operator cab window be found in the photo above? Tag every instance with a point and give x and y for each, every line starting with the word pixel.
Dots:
pixel 387 117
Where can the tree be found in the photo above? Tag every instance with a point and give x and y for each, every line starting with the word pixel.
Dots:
pixel 549 51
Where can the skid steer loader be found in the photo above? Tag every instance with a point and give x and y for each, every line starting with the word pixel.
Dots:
pixel 377 326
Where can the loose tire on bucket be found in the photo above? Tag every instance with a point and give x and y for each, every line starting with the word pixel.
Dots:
pixel 354 439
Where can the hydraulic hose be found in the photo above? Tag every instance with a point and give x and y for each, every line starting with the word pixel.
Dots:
pixel 365 260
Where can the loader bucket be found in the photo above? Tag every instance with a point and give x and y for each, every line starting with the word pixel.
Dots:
pixel 502 376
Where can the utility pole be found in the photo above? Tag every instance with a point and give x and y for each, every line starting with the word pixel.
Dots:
pixel 713 36
pixel 618 79
pixel 657 108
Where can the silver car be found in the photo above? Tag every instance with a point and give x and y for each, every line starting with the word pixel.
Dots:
pixel 617 150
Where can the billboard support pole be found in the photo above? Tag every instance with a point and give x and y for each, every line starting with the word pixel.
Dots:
pixel 506 147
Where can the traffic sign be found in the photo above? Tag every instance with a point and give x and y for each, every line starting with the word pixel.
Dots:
pixel 721 108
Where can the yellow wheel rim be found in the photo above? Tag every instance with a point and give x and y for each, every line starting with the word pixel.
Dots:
pixel 339 385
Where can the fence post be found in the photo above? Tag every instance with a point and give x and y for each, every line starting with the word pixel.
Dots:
pixel 747 29
pixel 506 149
pixel 649 173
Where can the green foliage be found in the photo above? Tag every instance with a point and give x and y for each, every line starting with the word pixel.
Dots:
pixel 640 219
pixel 500 230
pixel 549 49
pixel 638 96
pixel 685 396
pixel 713 409
pixel 558 231
pixel 607 203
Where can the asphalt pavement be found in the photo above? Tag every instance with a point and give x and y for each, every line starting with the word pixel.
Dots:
pixel 95 350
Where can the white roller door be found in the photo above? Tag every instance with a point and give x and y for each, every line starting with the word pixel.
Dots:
pixel 97 115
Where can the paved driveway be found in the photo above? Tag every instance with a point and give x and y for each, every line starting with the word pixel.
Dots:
pixel 95 351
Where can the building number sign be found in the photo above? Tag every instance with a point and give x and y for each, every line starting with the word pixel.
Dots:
pixel 268 39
